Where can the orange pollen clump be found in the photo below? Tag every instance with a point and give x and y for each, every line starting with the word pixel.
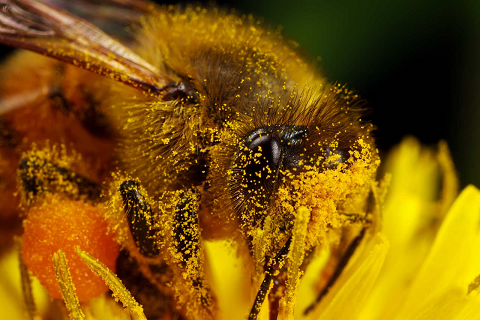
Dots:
pixel 64 224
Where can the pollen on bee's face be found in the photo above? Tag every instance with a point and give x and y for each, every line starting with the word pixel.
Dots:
pixel 333 195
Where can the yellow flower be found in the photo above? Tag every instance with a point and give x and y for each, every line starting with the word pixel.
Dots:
pixel 423 263
pixel 427 273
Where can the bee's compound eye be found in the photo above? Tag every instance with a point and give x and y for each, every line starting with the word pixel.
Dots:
pixel 266 152
pixel 273 144
pixel 267 148
pixel 260 163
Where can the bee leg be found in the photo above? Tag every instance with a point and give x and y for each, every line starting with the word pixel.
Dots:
pixel 185 252
pixel 338 270
pixel 140 219
pixel 39 175
pixel 188 253
pixel 265 286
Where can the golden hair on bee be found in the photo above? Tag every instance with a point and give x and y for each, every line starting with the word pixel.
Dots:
pixel 198 125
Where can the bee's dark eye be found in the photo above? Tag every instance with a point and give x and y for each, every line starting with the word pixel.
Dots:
pixel 272 144
pixel 266 152
pixel 267 147
pixel 178 91
pixel 271 147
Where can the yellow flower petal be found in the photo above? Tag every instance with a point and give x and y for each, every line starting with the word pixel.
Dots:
pixel 12 305
pixel 451 305
pixel 230 279
pixel 454 260
pixel 410 217
pixel 348 295
pixel 10 295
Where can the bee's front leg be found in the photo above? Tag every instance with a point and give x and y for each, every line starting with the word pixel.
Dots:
pixel 178 228
pixel 187 252
pixel 140 219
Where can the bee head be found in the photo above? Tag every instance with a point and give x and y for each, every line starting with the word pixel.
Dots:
pixel 309 151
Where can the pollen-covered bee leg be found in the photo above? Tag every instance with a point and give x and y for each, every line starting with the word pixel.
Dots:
pixel 140 219
pixel 338 270
pixel 39 175
pixel 187 236
pixel 188 251
pixel 267 281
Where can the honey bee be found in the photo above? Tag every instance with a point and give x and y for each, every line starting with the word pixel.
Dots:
pixel 196 125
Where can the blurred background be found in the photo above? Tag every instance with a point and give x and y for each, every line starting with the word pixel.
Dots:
pixel 416 62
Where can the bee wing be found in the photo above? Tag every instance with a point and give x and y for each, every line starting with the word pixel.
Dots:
pixel 112 16
pixel 86 5
pixel 40 28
